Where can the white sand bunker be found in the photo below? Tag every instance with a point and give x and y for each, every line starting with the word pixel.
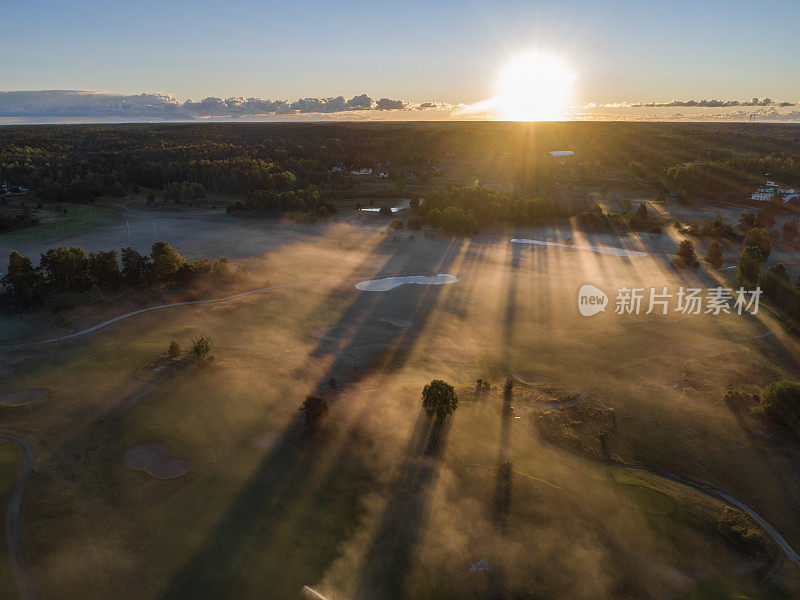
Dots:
pixel 22 397
pixel 402 206
pixel 597 249
pixel 269 441
pixel 153 459
pixel 389 283
pixel 397 322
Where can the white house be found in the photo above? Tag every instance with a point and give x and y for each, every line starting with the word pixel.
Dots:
pixel 767 192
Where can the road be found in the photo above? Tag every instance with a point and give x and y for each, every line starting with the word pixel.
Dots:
pixel 24 581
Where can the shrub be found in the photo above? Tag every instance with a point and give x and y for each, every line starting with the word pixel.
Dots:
pixel 385 211
pixel 201 348
pixel 780 403
pixel 174 350
pixel 439 399
pixel 759 237
pixel 686 253
pixel 749 265
pixel 714 254
pixel 396 225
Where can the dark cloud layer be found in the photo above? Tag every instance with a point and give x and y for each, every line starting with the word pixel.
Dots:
pixel 715 103
pixel 73 103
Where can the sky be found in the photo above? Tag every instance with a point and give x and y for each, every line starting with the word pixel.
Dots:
pixel 418 51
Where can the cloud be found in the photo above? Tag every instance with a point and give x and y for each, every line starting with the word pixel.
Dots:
pixel 77 103
pixel 387 104
pixel 72 103
pixel 714 103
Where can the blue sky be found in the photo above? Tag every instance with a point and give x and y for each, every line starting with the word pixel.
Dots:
pixel 418 51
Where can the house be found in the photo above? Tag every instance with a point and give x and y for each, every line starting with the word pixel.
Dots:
pixel 770 190
pixel 561 153
pixel 361 172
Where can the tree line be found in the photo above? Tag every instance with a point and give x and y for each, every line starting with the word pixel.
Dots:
pixel 70 269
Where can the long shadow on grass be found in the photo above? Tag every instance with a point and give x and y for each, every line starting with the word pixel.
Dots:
pixel 303 500
pixel 375 342
pixel 502 494
pixel 389 553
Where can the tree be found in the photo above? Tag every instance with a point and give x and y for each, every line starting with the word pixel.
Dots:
pixel 780 402
pixel 686 253
pixel 22 281
pixel 118 190
pixel 66 269
pixel 222 268
pixel 714 254
pixel 747 221
pixel 314 407
pixel 777 286
pixel 151 197
pixel 104 269
pixel 748 266
pixel 624 206
pixel 385 211
pixel 166 260
pixel 174 350
pixel 136 268
pixel 201 348
pixel 439 398
pixel 396 225
pixel 757 236
pixel 641 213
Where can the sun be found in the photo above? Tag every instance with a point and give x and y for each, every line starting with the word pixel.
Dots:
pixel 535 86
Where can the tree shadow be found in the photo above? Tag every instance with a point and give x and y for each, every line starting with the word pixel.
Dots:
pixel 502 494
pixel 389 554
pixel 284 498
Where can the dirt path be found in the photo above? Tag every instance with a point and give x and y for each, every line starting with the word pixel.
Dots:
pixel 790 553
pixel 176 304
pixel 12 519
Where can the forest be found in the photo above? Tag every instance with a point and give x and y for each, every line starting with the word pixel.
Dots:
pixel 279 167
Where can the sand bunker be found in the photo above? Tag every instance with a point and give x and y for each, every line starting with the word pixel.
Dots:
pixel 402 206
pixel 597 249
pixel 153 459
pixel 22 397
pixel 269 441
pixel 389 283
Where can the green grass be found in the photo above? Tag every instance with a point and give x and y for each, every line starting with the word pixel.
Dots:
pixel 79 218
pixel 645 495
pixel 244 524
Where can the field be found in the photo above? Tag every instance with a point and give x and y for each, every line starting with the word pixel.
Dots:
pixel 383 503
